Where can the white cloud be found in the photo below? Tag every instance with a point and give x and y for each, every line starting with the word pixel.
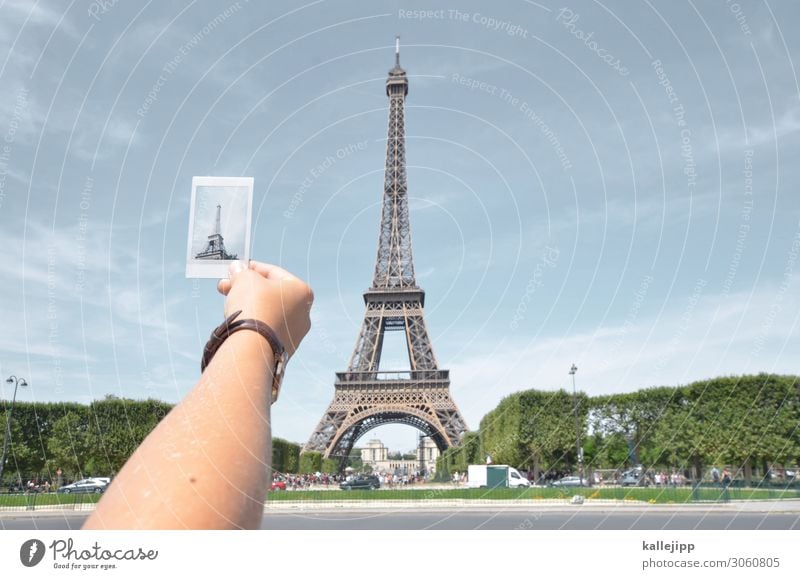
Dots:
pixel 59 276
pixel 17 12
pixel 95 140
pixel 787 123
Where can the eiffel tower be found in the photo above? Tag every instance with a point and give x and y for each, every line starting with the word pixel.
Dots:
pixel 366 397
pixel 215 248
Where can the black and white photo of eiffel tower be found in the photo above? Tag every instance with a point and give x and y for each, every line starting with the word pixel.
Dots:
pixel 215 248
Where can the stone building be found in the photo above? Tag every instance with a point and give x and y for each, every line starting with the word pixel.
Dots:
pixel 376 454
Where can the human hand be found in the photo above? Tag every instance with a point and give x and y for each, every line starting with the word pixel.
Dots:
pixel 271 294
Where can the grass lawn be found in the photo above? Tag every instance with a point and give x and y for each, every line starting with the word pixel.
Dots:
pixel 46 499
pixel 652 495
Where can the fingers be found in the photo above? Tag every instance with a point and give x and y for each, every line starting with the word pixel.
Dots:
pixel 277 273
pixel 224 286
pixel 235 268
pixel 266 270
pixel 270 271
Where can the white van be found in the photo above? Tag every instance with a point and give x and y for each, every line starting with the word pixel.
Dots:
pixel 477 476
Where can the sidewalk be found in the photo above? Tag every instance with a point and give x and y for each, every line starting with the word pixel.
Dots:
pixel 595 505
pixel 789 506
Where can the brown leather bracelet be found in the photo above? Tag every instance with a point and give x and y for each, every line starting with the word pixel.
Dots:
pixel 229 326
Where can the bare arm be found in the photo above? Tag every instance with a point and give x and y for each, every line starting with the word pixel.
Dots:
pixel 205 465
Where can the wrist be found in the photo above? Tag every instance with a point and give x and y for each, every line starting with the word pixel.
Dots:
pixel 271 351
pixel 248 357
pixel 273 319
pixel 248 348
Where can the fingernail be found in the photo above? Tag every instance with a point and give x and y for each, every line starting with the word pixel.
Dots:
pixel 235 267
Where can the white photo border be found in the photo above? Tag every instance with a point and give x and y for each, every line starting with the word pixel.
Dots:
pixel 199 268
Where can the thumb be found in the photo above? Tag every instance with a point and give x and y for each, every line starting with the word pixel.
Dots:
pixel 234 269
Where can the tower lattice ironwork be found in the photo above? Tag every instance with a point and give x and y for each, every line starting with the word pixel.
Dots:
pixel 215 247
pixel 365 396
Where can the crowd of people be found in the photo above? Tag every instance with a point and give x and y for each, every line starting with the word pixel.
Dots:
pixel 675 479
pixel 31 486
pixel 304 481
pixel 656 478
pixel 661 478
pixel 325 480
pixel 391 480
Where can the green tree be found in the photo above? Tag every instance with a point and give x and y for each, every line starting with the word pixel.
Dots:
pixel 458 458
pixel 26 453
pixel 285 456
pixel 744 421
pixel 548 428
pixel 633 416
pixel 738 421
pixel 682 437
pixel 354 460
pixel 330 465
pixel 21 460
pixel 500 432
pixel 310 462
pixel 117 427
pixel 70 445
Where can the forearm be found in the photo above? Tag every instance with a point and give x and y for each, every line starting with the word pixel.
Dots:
pixel 205 465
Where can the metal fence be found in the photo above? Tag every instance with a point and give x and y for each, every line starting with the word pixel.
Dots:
pixel 708 493
pixel 47 501
pixel 451 495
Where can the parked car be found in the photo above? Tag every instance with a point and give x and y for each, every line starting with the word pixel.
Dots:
pixel 634 477
pixel 361 482
pixel 778 475
pixel 278 485
pixel 571 481
pixel 87 485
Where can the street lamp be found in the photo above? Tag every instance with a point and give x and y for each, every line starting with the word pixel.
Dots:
pixel 17 383
pixel 572 372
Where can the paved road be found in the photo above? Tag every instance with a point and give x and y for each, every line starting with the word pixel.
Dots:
pixel 483 519
pixel 476 519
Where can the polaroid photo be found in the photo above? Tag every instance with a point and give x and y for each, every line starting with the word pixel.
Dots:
pixel 219 225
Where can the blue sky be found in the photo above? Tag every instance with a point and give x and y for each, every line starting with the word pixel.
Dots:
pixel 609 184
